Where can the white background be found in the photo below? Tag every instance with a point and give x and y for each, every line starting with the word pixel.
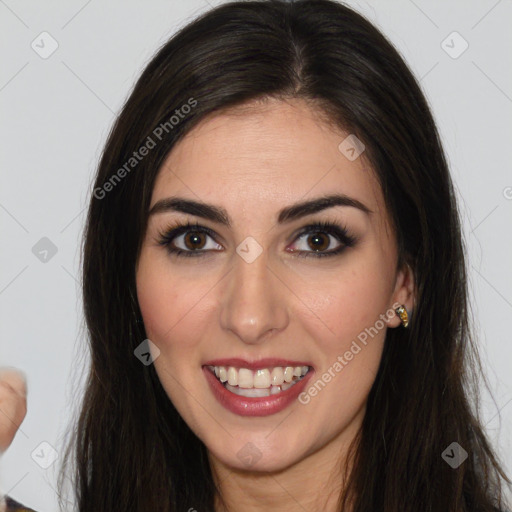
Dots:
pixel 56 113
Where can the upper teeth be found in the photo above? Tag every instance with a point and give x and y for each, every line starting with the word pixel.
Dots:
pixel 262 378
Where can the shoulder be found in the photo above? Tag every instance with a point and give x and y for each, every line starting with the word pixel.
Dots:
pixel 9 504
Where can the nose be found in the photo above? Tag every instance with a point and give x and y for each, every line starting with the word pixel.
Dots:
pixel 254 301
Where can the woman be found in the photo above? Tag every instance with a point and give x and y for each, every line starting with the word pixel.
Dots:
pixel 274 282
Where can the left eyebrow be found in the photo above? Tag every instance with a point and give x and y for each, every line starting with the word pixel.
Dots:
pixel 288 214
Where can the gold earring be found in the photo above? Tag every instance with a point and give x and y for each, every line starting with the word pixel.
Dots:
pixel 402 313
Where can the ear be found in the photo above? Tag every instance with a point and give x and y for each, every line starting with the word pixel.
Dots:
pixel 404 294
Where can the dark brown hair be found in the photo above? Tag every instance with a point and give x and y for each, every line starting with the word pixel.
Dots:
pixel 131 449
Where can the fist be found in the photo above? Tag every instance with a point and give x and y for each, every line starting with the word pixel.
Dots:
pixel 13 404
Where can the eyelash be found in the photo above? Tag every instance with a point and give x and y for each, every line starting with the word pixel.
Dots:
pixel 339 232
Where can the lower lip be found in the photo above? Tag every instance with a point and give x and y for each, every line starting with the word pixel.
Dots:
pixel 255 406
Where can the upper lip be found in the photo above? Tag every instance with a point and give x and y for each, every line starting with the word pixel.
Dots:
pixel 268 362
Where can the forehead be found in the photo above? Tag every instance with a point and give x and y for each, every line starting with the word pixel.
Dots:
pixel 264 156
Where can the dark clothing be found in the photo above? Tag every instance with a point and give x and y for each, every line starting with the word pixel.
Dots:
pixel 14 506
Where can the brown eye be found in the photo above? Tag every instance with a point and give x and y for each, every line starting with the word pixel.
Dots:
pixel 188 240
pixel 323 239
pixel 318 241
pixel 194 240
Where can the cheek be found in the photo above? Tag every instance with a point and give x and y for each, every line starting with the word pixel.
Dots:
pixel 351 302
pixel 365 297
pixel 351 349
pixel 158 296
pixel 351 332
pixel 172 305
pixel 158 303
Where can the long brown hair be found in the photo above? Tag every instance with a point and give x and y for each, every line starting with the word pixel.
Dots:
pixel 130 448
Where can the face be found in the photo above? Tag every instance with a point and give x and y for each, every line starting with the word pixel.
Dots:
pixel 265 286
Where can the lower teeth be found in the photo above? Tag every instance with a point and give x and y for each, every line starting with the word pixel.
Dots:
pixel 258 392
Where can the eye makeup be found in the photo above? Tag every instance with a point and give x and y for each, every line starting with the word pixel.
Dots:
pixel 337 231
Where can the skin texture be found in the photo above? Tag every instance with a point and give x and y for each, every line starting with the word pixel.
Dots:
pixel 13 404
pixel 253 163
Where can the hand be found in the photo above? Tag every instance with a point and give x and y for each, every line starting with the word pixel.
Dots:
pixel 13 404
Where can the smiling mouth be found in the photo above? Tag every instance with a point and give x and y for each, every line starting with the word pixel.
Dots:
pixel 259 383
